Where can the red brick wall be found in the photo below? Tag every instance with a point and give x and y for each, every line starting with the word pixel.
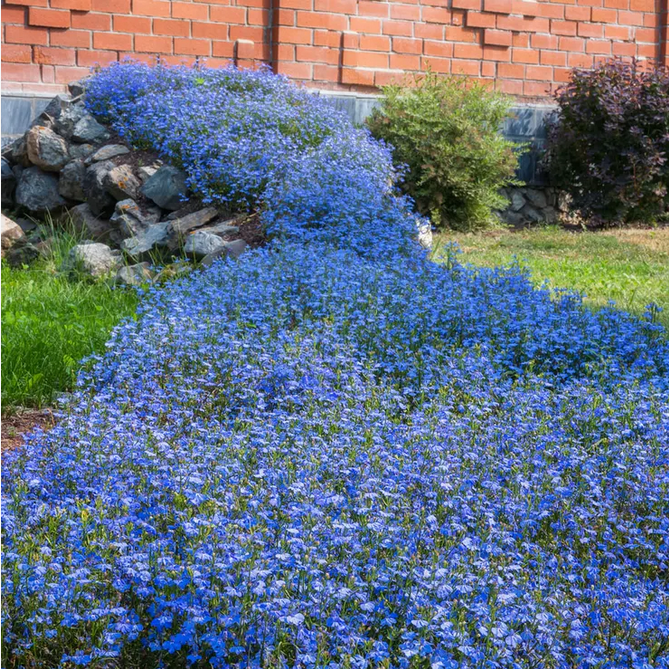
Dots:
pixel 523 47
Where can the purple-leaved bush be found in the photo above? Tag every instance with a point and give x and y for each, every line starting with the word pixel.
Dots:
pixel 323 456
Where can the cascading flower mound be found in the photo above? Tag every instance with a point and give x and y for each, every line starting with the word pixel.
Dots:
pixel 332 452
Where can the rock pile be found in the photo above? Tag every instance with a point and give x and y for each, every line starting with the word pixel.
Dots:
pixel 126 204
pixel 529 206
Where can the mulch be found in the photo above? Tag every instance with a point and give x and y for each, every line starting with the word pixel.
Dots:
pixel 16 425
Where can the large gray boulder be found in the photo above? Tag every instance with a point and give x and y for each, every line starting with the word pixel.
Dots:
pixel 200 244
pixel 95 189
pixel 71 183
pixel 68 118
pixel 166 187
pixel 155 238
pixel 130 220
pixel 88 130
pixel 53 111
pixel 37 191
pixel 95 259
pixel 11 233
pixel 8 183
pixel 91 226
pixel 81 150
pixel 231 249
pixel 222 229
pixel 109 151
pixel 197 219
pixel 121 183
pixel 46 149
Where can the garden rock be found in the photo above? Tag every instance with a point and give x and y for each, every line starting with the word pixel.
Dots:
pixel 517 200
pixel 155 237
pixel 21 253
pixel 8 183
pixel 121 183
pixel 77 88
pixel 99 199
pixel 94 259
pixel 81 150
pixel 71 183
pixel 195 220
pixel 46 149
pixel 88 130
pixel 17 152
pixel 134 275
pixel 109 151
pixel 37 191
pixel 130 220
pixel 90 225
pixel 200 244
pixel 146 171
pixel 536 197
pixel 222 229
pixel 231 249
pixel 68 119
pixel 167 187
pixel 53 111
pixel 11 233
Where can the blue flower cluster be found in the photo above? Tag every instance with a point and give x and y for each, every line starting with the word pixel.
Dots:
pixel 317 457
pixel 252 139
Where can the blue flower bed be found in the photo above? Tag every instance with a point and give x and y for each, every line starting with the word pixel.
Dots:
pixel 322 455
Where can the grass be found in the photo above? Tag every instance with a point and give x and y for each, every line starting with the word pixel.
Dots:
pixel 49 323
pixel 630 267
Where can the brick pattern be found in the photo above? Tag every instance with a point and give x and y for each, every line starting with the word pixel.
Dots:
pixel 522 47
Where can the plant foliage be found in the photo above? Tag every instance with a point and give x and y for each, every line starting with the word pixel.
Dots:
pixel 609 142
pixel 446 131
pixel 316 456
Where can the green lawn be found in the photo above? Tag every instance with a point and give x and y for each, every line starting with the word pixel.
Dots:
pixel 49 324
pixel 630 267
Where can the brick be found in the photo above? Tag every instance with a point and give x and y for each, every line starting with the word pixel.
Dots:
pixel 436 15
pixel 17 53
pixel 397 28
pixel 150 44
pixel 112 41
pixel 550 11
pixel 215 31
pixel 253 33
pixel 257 17
pixel 365 25
pixel 488 69
pixel 235 15
pixel 471 68
pixel 544 42
pixel 561 74
pixel 642 34
pixel 49 18
pixel 13 14
pixel 623 33
pixel 439 49
pixel 563 28
pixel 79 5
pixel 521 40
pixel 322 20
pixel 296 35
pixel 440 65
pixel 624 49
pixel 193 47
pixel 91 21
pixel 617 4
pixel 335 6
pixel 496 37
pixel 65 75
pixel 189 10
pixel 526 8
pixel 316 54
pixel 153 8
pixel 223 49
pixel 95 58
pixel 630 18
pixel 369 59
pixel 132 24
pixel 405 12
pixel 172 27
pixel 25 3
pixel 387 78
pixel 325 73
pixel 572 44
pixel 286 51
pixel 407 45
pixel 357 77
pixel 24 35
pixel 553 58
pixel 536 89
pixel 579 60
pixel 509 87
pixel 457 34
pixel 600 15
pixel 53 56
pixel 598 46
pixel 516 23
pixel 285 17
pixel 401 61
pixel 539 72
pixel 593 30
pixel 480 20
pixel 75 38
pixel 111 6
pixel 297 4
pixel 368 8
pixel 349 40
pixel 511 71
pixel 374 43
pixel 467 51
pixel 498 6
pixel 642 5
pixel 467 4
pixel 497 53
pixel 427 31
pixel 577 13
pixel 529 56
pixel 326 38
pixel 48 74
pixel 20 72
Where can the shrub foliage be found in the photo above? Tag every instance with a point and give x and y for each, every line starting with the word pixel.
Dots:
pixel 609 143
pixel 445 131
pixel 320 457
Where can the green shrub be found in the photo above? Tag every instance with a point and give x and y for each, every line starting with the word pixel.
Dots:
pixel 446 130
pixel 608 146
